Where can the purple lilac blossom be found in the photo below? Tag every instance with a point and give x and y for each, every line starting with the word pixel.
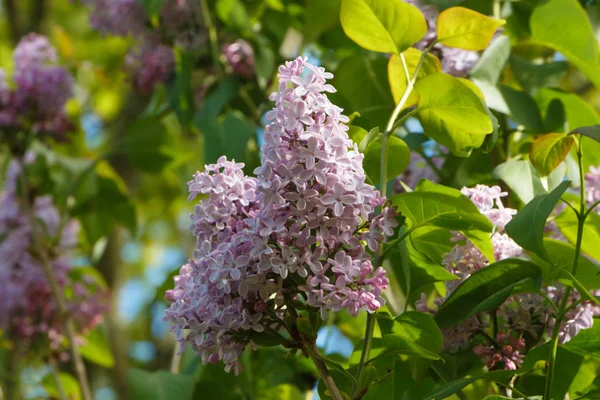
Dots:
pixel 149 65
pixel 527 313
pixel 296 232
pixel 41 89
pixel 28 311
pixel 240 57
pixel 117 17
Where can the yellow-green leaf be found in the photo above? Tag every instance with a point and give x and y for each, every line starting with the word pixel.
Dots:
pixel 452 114
pixel 397 75
pixel 466 29
pixel 549 150
pixel 387 26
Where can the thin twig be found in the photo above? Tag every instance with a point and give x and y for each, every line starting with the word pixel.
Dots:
pixel 312 352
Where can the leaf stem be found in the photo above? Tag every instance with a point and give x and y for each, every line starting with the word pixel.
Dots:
pixel 364 356
pixel 565 299
pixel 64 313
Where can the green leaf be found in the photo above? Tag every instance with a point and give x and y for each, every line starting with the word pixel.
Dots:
pixel 567 224
pixel 555 118
pixel 579 113
pixel 382 25
pixel 159 385
pixel 448 389
pixel 486 289
pixel 534 77
pixel 143 142
pixel 452 211
pixel 587 341
pixel 96 348
pixel 397 75
pixel 592 132
pixel 264 61
pixel 362 87
pixel 232 13
pixel 181 94
pixel 549 150
pixel 152 7
pixel 527 227
pixel 466 29
pixel 398 154
pixel 226 135
pixel 566 278
pixel 419 334
pixel 398 344
pixel 108 206
pixel 320 17
pixel 522 108
pixel 521 178
pixel 574 372
pixel 562 255
pixel 571 34
pixel 492 61
pixel 68 383
pixel 452 114
pixel 214 102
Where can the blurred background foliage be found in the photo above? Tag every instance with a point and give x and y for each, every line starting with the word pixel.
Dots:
pixel 138 149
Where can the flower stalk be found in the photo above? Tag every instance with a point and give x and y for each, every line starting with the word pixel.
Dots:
pixel 581 216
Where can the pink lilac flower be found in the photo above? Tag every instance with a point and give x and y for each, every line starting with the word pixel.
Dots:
pixel 28 311
pixel 456 62
pixel 240 58
pixel 149 65
pixel 41 89
pixel 527 313
pixel 295 233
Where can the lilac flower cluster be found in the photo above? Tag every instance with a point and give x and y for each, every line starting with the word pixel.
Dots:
pixel 455 61
pixel 148 65
pixel 240 58
pixel 295 233
pixel 150 62
pixel 527 314
pixel 28 311
pixel 41 88
pixel 419 169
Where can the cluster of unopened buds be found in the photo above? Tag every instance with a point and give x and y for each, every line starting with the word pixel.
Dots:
pixel 240 58
pixel 523 315
pixel 36 98
pixel 29 314
pixel 298 233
